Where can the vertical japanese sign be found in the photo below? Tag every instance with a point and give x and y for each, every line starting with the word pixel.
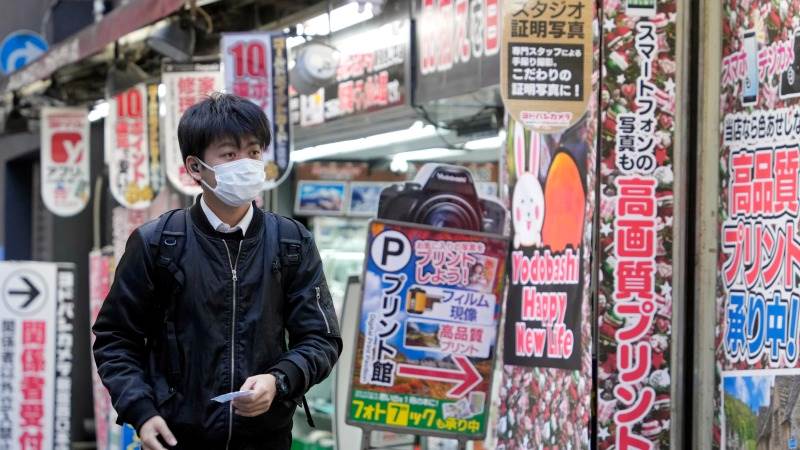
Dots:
pixel 545 394
pixel 636 232
pixel 65 160
pixel 186 84
pixel 36 315
pixel 759 250
pixel 255 67
pixel 109 435
pixel 127 149
pixel 100 269
pixel 428 329
pixel 546 61
pixel 459 47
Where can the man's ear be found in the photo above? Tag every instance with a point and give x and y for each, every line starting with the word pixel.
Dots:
pixel 193 167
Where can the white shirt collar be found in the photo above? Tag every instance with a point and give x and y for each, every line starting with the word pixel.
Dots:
pixel 222 227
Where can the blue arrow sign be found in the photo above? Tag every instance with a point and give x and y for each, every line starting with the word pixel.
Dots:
pixel 20 48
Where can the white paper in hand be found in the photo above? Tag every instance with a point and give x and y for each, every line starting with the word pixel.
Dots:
pixel 224 398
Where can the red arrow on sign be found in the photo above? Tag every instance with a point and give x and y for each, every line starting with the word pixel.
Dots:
pixel 467 376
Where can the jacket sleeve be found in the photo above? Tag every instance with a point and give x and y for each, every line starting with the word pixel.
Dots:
pixel 315 341
pixel 120 330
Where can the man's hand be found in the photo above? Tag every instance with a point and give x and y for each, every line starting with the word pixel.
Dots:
pixel 150 432
pixel 263 387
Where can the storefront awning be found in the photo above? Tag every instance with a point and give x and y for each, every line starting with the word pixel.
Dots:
pixel 91 40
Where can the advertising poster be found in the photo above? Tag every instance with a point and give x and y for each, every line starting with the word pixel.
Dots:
pixel 109 435
pixel 186 84
pixel 373 72
pixel 65 160
pixel 546 61
pixel 320 198
pixel 636 226
pixel 36 328
pixel 548 181
pixel 255 68
pixel 545 394
pixel 458 44
pixel 427 337
pixel 127 149
pixel 543 326
pixel 758 308
pixel 364 197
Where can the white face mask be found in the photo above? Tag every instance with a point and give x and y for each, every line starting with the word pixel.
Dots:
pixel 238 182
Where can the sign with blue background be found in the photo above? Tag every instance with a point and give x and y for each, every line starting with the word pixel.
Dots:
pixel 19 48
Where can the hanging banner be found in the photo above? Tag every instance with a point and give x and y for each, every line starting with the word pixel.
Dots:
pixel 373 75
pixel 186 84
pixel 426 342
pixel 127 149
pixel 758 308
pixel 546 61
pixel 64 160
pixel 109 435
pixel 100 269
pixel 545 394
pixel 459 47
pixel 543 326
pixel 549 183
pixel 255 67
pixel 154 139
pixel 636 229
pixel 36 311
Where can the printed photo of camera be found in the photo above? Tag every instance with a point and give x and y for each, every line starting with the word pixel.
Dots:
pixel 442 196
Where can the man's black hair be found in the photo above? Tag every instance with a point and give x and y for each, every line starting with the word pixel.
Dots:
pixel 221 116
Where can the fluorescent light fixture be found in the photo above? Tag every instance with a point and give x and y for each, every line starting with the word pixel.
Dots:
pixel 417 131
pixel 100 111
pixel 427 154
pixel 342 17
pixel 294 41
pixel 398 165
pixel 162 90
pixel 487 143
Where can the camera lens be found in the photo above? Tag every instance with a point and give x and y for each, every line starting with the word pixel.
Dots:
pixel 449 211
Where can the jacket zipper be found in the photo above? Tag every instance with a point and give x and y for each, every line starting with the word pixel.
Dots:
pixel 324 317
pixel 235 278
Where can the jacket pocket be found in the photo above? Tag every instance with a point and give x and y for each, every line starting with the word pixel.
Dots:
pixel 168 399
pixel 326 309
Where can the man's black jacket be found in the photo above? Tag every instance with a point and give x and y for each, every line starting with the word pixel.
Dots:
pixel 230 319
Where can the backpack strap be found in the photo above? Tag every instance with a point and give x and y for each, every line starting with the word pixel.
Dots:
pixel 290 249
pixel 167 242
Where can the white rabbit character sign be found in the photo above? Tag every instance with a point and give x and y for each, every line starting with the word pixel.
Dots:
pixel 543 312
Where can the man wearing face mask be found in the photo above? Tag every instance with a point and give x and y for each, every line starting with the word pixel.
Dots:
pixel 204 299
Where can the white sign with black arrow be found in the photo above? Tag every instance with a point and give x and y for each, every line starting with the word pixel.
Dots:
pixel 36 329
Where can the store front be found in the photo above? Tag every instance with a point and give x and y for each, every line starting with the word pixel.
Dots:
pixel 635 284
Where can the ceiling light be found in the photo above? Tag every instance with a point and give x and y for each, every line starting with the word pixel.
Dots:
pixel 100 111
pixel 342 17
pixel 175 40
pixel 428 154
pixel 416 131
pixel 487 143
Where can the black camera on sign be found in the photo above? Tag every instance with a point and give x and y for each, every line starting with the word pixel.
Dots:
pixel 442 196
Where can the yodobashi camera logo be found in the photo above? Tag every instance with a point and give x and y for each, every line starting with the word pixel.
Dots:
pixel 452 178
pixel 442 196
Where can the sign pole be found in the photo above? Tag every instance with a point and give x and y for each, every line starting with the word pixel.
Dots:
pixel 365 436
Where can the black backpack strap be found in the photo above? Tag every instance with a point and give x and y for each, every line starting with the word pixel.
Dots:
pixel 289 256
pixel 290 248
pixel 168 241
